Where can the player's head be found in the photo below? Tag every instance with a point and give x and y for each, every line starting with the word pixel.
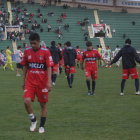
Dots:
pixel 128 41
pixel 77 47
pixel 107 47
pixel 98 46
pixel 117 46
pixel 65 45
pixel 89 45
pixel 59 45
pixel 1 51
pixel 19 47
pixel 34 39
pixel 53 43
pixel 8 47
pixel 68 43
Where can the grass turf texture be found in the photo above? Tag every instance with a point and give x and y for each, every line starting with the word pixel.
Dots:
pixel 72 115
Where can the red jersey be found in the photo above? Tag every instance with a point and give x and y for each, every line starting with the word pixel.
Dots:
pixel 78 51
pixel 37 63
pixel 90 57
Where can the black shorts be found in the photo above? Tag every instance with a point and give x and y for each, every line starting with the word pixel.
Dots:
pixel 19 66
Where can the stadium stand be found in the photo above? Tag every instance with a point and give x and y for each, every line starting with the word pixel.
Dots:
pixel 121 22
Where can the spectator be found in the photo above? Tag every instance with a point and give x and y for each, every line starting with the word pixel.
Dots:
pixel 49 27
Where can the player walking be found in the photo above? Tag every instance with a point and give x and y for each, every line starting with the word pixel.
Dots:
pixel 18 56
pixel 9 59
pixel 69 56
pixel 56 56
pixel 129 56
pixel 37 62
pixel 89 56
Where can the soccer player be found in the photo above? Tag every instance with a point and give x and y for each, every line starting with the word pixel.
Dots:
pixel 79 57
pixel 69 62
pixel 56 56
pixel 2 60
pixel 129 56
pixel 18 56
pixel 89 56
pixel 61 60
pixel 37 62
pixel 107 56
pixel 9 59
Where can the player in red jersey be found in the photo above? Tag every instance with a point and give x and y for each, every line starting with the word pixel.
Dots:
pixel 89 56
pixel 79 57
pixel 37 62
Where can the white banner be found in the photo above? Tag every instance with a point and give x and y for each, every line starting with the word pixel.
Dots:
pixel 98 2
pixel 128 3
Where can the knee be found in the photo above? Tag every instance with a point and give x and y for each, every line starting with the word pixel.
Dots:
pixel 27 101
pixel 43 106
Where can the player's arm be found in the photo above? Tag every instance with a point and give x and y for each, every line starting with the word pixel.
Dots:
pixel 137 58
pixel 100 57
pixel 49 84
pixel 82 62
pixel 24 76
pixel 24 63
pixel 116 58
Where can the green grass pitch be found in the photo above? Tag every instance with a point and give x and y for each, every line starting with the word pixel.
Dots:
pixel 72 115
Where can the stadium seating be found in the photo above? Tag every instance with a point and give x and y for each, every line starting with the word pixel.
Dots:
pixel 122 22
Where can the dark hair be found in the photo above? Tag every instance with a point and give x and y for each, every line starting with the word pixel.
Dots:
pixel 8 47
pixel 68 43
pixel 19 47
pixel 60 44
pixel 77 47
pixel 53 43
pixel 117 46
pixel 128 41
pixel 88 43
pixel 1 51
pixel 34 36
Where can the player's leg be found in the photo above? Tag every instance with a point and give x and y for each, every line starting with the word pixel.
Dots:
pixel 17 69
pixel 88 85
pixel 29 109
pixel 134 75
pixel 43 116
pixel 29 95
pixel 60 67
pixel 11 66
pixel 72 71
pixel 5 65
pixel 93 86
pixel 125 76
pixel 122 86
pixel 137 86
pixel 94 77
pixel 88 75
pixel 54 74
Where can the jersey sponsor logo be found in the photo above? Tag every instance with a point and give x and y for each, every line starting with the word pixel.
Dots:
pixel 37 66
pixel 37 72
pixel 90 59
pixel 45 90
